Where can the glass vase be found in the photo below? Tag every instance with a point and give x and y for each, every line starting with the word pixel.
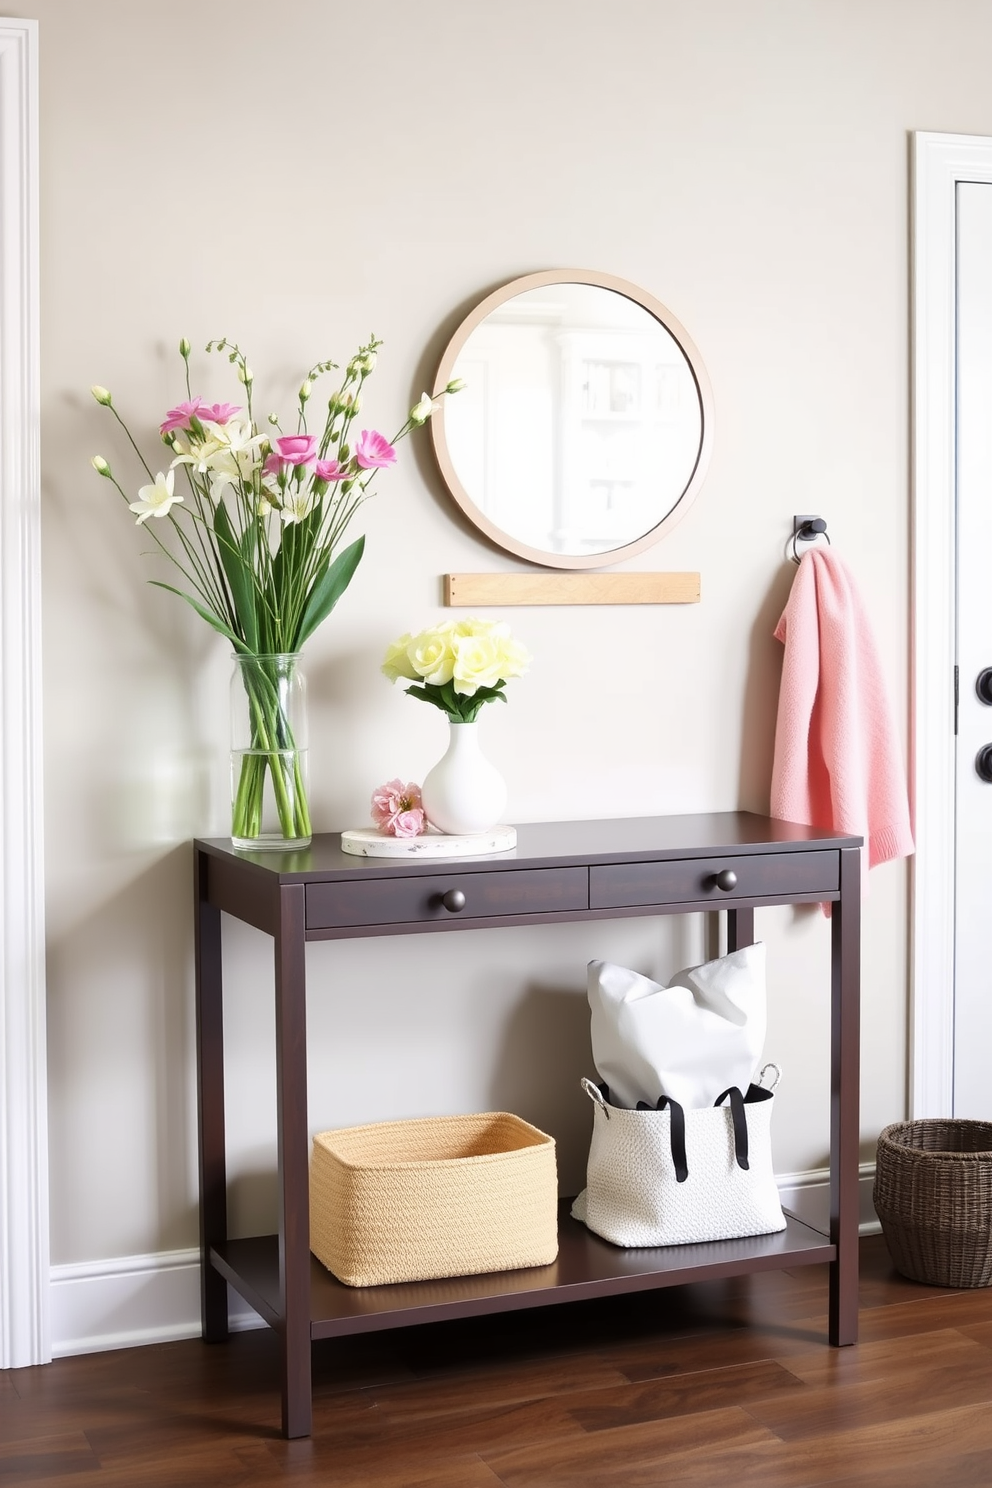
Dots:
pixel 269 782
pixel 463 793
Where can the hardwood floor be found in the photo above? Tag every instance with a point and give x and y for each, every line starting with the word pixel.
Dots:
pixel 705 1385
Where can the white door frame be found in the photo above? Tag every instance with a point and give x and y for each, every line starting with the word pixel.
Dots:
pixel 24 1243
pixel 939 162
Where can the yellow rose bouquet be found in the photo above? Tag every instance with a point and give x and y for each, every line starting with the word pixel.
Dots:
pixel 458 665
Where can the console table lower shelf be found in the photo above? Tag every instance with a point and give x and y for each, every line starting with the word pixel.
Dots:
pixel 586 1267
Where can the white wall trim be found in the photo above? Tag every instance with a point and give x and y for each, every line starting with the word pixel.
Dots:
pixel 939 162
pixel 807 1196
pixel 132 1300
pixel 24 1269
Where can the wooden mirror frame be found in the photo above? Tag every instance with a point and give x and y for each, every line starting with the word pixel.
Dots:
pixel 454 349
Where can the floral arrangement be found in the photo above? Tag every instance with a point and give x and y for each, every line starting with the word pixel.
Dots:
pixel 398 810
pixel 257 518
pixel 458 665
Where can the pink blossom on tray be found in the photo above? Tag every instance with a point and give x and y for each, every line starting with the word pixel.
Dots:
pixel 374 451
pixel 397 809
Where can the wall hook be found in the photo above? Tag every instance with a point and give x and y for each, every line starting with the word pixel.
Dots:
pixel 807 529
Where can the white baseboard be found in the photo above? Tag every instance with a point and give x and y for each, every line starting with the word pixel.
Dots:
pixel 131 1300
pixel 807 1196
pixel 139 1299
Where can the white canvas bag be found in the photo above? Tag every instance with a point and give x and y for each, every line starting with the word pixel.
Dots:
pixel 690 1040
pixel 674 1177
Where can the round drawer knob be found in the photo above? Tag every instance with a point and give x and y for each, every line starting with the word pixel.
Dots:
pixel 453 901
pixel 983 763
pixel 983 685
pixel 726 879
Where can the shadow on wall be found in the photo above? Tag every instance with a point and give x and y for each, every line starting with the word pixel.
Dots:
pixel 764 671
pixel 253 1196
pixel 120 1004
pixel 545 1052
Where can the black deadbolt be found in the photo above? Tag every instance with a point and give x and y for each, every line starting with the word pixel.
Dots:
pixel 983 685
pixel 983 762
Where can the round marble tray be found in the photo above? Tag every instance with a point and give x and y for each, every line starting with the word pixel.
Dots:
pixel 366 842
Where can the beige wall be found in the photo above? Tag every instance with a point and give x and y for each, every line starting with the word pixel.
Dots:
pixel 294 177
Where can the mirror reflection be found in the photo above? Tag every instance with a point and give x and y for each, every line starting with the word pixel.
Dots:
pixel 581 424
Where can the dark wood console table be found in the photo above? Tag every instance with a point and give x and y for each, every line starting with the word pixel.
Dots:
pixel 563 871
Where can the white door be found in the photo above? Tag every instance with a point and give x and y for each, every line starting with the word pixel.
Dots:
pixel 973 793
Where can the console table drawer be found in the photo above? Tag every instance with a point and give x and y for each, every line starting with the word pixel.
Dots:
pixel 785 875
pixel 385 901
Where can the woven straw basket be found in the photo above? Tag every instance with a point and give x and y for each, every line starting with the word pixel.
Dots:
pixel 441 1196
pixel 933 1197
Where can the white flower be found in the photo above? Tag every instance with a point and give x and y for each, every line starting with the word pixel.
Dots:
pixel 236 453
pixel 397 662
pixel 421 412
pixel 431 655
pixel 514 659
pixel 297 505
pixel 198 454
pixel 157 499
pixel 478 661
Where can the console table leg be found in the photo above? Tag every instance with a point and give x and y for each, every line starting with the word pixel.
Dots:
pixel 294 1179
pixel 844 1098
pixel 210 1100
pixel 740 929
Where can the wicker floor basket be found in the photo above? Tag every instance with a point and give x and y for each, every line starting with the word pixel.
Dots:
pixel 933 1197
pixel 442 1196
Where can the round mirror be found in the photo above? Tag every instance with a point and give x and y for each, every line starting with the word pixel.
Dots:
pixel 585 423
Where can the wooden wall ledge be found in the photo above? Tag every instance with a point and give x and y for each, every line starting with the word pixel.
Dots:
pixel 570 589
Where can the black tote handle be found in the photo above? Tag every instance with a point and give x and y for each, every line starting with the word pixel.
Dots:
pixel 677 1133
pixel 740 1123
pixel 737 1115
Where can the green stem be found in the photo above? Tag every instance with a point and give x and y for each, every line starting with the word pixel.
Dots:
pixel 274 754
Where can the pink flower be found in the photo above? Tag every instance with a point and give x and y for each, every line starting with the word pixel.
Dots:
pixel 219 413
pixel 330 470
pixel 397 809
pixel 374 451
pixel 297 449
pixel 407 824
pixel 180 416
pixel 290 450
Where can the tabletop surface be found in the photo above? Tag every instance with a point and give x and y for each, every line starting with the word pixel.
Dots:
pixel 545 844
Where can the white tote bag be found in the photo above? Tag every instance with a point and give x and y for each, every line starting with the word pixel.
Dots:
pixel 690 1040
pixel 675 1177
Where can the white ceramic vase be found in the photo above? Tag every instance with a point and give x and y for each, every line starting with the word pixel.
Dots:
pixel 463 793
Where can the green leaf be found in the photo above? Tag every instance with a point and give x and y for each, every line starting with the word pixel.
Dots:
pixel 428 695
pixel 452 699
pixel 328 590
pixel 488 695
pixel 239 576
pixel 205 614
